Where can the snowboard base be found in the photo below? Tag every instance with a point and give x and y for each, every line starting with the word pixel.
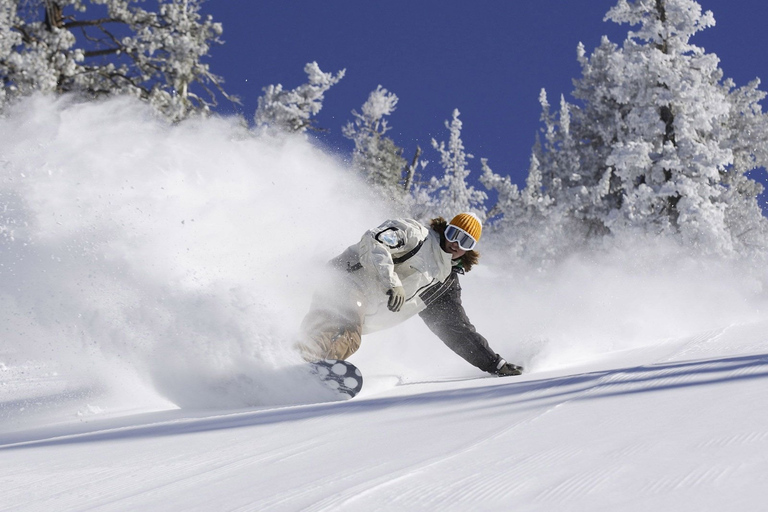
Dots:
pixel 341 376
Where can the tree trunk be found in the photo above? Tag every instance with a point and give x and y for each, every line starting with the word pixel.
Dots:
pixel 668 117
pixel 53 15
pixel 410 170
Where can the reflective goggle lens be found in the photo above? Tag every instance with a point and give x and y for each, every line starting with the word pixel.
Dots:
pixel 465 240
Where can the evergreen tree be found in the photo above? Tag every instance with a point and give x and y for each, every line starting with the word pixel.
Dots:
pixel 105 47
pixel 451 193
pixel 748 131
pixel 292 111
pixel 521 220
pixel 376 157
pixel 655 144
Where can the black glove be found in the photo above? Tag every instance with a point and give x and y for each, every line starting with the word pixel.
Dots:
pixel 396 298
pixel 505 369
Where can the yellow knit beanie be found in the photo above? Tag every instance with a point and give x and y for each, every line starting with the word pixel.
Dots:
pixel 470 223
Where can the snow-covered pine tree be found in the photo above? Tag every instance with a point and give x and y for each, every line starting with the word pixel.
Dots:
pixel 749 143
pixel 292 111
pixel 376 157
pixel 451 193
pixel 669 160
pixel 653 144
pixel 9 39
pixel 521 220
pixel 105 47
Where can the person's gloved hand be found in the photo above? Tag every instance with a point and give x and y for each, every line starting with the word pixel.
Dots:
pixel 505 369
pixel 396 298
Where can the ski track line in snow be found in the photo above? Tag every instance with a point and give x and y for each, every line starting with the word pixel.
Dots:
pixel 698 477
pixel 354 493
pixel 578 485
pixel 456 494
pixel 433 494
pixel 488 484
pixel 183 473
pixel 474 481
pixel 185 479
pixel 694 343
pixel 747 438
pixel 286 501
pixel 671 370
pixel 632 449
pixel 736 338
pixel 347 498
pixel 190 424
pixel 703 476
pixel 666 372
pixel 99 485
pixel 173 426
pixel 662 376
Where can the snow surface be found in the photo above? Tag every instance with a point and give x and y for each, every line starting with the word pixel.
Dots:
pixel 147 313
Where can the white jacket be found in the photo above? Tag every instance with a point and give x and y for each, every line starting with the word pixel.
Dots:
pixel 373 266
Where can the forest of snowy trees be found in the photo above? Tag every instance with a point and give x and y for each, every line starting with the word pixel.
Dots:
pixel 105 47
pixel 656 141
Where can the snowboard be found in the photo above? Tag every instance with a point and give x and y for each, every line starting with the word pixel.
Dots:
pixel 341 376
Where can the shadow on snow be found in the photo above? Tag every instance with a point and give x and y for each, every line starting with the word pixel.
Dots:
pixel 521 395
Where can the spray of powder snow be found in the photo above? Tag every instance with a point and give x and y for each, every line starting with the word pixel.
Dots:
pixel 634 294
pixel 637 294
pixel 174 257
pixel 148 260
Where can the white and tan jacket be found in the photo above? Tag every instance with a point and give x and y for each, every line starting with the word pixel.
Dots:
pixel 400 252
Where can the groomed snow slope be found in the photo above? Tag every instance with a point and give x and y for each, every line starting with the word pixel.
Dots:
pixel 677 426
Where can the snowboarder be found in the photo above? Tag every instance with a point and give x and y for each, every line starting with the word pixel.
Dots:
pixel 397 270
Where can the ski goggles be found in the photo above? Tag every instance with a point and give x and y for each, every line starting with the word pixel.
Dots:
pixel 465 240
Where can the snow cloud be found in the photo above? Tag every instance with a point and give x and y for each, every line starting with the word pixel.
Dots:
pixel 635 293
pixel 183 252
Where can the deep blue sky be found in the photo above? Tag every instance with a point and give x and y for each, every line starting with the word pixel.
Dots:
pixel 488 58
